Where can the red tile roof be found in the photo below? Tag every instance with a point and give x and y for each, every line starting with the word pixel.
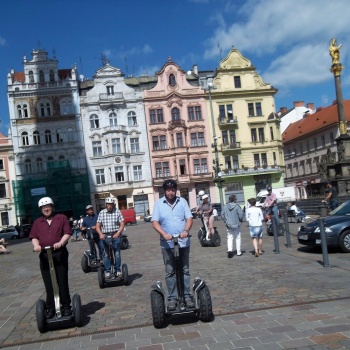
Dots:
pixel 315 122
pixel 19 77
pixel 62 74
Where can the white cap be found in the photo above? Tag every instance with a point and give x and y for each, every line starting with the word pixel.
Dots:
pixel 201 193
pixel 205 196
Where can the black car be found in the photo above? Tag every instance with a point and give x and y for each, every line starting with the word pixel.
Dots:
pixel 337 229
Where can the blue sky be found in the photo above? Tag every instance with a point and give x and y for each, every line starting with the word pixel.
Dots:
pixel 286 40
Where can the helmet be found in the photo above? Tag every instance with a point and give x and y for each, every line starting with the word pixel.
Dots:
pixel 201 193
pixel 205 196
pixel 109 200
pixel 169 184
pixel 44 201
pixel 89 207
pixel 269 188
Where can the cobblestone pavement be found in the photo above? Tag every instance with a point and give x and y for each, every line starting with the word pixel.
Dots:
pixel 277 301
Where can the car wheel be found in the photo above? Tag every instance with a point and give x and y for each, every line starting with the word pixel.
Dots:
pixel 344 241
pixel 158 310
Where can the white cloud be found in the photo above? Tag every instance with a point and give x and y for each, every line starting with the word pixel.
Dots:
pixel 150 71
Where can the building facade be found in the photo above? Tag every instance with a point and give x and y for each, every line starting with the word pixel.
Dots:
pixel 116 144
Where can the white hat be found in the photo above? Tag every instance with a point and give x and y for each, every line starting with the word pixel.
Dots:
pixel 205 196
pixel 201 193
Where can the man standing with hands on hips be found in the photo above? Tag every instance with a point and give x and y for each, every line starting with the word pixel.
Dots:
pixel 172 216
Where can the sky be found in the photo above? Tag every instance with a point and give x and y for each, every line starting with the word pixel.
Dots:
pixel 286 40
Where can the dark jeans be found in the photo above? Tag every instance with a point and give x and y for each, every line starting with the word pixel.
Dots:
pixel 116 249
pixel 60 259
pixel 333 203
pixel 99 243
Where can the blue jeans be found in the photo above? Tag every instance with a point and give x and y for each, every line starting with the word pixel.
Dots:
pixel 99 244
pixel 170 278
pixel 116 248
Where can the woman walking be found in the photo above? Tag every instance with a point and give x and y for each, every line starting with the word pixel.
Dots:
pixel 255 218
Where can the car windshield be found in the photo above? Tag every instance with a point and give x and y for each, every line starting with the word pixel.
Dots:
pixel 343 209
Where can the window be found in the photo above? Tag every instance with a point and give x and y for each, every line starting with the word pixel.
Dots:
pixel 162 169
pixel 159 142
pixel 2 164
pixel 155 141
pixel 39 165
pixel 182 163
pixel 61 157
pixel 235 162
pixel 163 142
pixel 256 159
pixel 200 166
pixel 22 110
pixel 70 134
pixel 2 191
pixel 237 81
pixel 27 166
pixel 331 137
pixel 135 145
pixel 175 114
pixel 261 134
pixel 253 135
pixel 197 139
pixel 323 141
pixel 31 76
pixel 156 116
pixel 66 107
pixel 97 148
pixel 100 176
pixel 51 75
pixel 302 168
pixel 137 172
pixel 301 147
pixel 119 173
pixel 271 133
pixel 228 162
pixel 25 138
pixel 315 143
pixel 45 109
pixel 194 113
pixel 116 147
pixel 179 139
pixel 48 136
pixel 172 80
pixel 225 111
pixel 113 121
pixel 110 90
pixel 59 136
pixel 264 159
pixel 254 109
pixel 132 120
pixel 36 137
pixel 41 76
pixel 94 122
pixel 274 158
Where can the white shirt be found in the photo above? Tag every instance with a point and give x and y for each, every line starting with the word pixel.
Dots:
pixel 295 208
pixel 254 216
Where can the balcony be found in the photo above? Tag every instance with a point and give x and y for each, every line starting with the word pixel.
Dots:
pixel 225 123
pixel 175 123
pixel 201 177
pixel 111 97
pixel 249 171
pixel 230 146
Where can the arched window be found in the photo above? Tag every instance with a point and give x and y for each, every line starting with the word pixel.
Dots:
pixel 113 121
pixel 94 122
pixel 45 109
pixel 41 76
pixel 70 135
pixel 25 138
pixel 52 75
pixel 22 110
pixel 39 165
pixel 50 159
pixel 36 137
pixel 31 76
pixel 61 157
pixel 27 166
pixel 132 120
pixel 175 114
pixel 172 80
pixel 59 136
pixel 66 106
pixel 48 136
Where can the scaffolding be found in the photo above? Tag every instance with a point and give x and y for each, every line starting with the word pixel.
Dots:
pixel 70 192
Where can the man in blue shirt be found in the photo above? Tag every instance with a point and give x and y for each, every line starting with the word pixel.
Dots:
pixel 89 228
pixel 171 216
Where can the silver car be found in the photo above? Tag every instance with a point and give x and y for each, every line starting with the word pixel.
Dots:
pixel 9 233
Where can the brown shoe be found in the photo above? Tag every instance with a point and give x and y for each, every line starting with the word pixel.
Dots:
pixel 256 254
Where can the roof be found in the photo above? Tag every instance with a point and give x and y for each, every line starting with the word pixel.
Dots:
pixel 315 122
pixel 62 74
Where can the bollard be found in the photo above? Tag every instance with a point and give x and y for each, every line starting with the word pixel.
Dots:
pixel 323 207
pixel 286 225
pixel 275 234
pixel 324 244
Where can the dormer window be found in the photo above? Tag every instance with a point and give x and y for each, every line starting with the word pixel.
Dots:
pixel 172 80
pixel 110 90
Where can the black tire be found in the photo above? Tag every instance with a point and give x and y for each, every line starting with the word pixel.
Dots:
pixel 77 311
pixel 101 276
pixel 40 315
pixel 125 274
pixel 124 243
pixel 158 310
pixel 200 234
pixel 85 264
pixel 205 305
pixel 216 239
pixel 203 241
pixel 344 241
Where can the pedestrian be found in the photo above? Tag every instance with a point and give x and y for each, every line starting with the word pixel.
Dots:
pixel 3 247
pixel 76 231
pixel 301 216
pixel 255 218
pixel 172 216
pixel 80 225
pixel 233 217
pixel 215 214
pixel 53 230
pixel 332 196
pixel 206 209
pixel 109 226
pixel 88 226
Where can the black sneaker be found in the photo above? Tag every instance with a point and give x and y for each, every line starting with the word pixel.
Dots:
pixel 190 303
pixel 66 311
pixel 230 255
pixel 50 313
pixel 172 305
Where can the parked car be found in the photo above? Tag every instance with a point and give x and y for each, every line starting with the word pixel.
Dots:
pixel 129 216
pixel 9 233
pixel 148 218
pixel 25 230
pixel 337 229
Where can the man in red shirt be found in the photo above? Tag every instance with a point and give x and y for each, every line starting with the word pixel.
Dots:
pixel 53 230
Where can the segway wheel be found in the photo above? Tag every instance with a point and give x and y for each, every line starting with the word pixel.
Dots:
pixel 124 243
pixel 216 239
pixel 205 305
pixel 40 315
pixel 85 264
pixel 77 312
pixel 101 277
pixel 200 234
pixel 158 310
pixel 125 274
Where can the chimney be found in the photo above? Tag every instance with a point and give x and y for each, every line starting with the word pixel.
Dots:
pixel 195 69
pixel 283 110
pixel 311 106
pixel 298 104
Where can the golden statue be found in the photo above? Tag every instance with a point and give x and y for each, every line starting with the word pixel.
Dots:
pixel 334 51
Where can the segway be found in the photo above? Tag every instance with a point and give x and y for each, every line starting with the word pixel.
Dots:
pixel 124 242
pixel 87 262
pixel 113 279
pixel 203 306
pixel 76 318
pixel 205 239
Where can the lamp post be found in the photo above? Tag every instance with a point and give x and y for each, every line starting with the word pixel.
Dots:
pixel 143 201
pixel 214 145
